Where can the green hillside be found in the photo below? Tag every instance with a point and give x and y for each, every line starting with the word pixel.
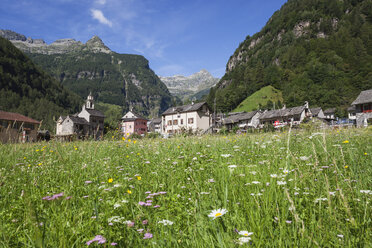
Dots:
pixel 26 89
pixel 318 51
pixel 267 97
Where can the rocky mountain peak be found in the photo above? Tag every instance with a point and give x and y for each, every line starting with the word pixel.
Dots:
pixel 96 45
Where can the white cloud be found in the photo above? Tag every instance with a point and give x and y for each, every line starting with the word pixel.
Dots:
pixel 170 70
pixel 98 15
pixel 102 2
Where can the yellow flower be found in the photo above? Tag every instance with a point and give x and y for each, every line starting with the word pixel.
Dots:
pixel 127 156
pixel 37 150
pixel 365 153
pixel 24 157
pixel 134 141
pixel 345 142
pixel 138 154
pixel 75 148
pixel 51 150
pixel 139 178
pixel 123 138
pixel 110 180
pixel 128 140
pixel 112 137
pixel 40 164
pixel 346 166
pixel 129 191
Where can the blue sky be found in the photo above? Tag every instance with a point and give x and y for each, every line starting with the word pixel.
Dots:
pixel 177 37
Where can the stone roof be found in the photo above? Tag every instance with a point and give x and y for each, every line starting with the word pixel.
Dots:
pixel 184 108
pixel 95 112
pixel 78 120
pixel 272 114
pixel 364 97
pixel 16 117
pixel 236 117
pixel 351 109
pixel 329 111
pixel 156 121
pixel 315 111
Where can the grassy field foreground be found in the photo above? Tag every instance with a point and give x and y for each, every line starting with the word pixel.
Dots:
pixel 268 190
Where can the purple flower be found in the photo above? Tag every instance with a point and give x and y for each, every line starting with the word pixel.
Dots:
pixel 86 196
pixel 141 203
pixel 68 197
pixel 162 192
pixel 113 244
pixel 147 236
pixel 46 197
pixel 148 192
pixel 145 222
pixel 157 206
pixel 148 204
pixel 56 196
pixel 99 239
pixel 88 182
pixel 140 230
pixel 149 201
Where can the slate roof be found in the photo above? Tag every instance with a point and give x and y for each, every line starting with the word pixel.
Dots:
pixel 315 111
pixel 156 121
pixel 236 117
pixel 184 108
pixel 16 117
pixel 351 109
pixel 329 111
pixel 136 117
pixel 272 114
pixel 95 112
pixel 364 97
pixel 78 120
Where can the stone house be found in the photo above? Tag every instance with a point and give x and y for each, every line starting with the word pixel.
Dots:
pixel 242 120
pixel 330 114
pixel 133 123
pixel 351 113
pixel 317 112
pixel 285 116
pixel 154 125
pixel 88 123
pixel 15 128
pixel 194 117
pixel 363 108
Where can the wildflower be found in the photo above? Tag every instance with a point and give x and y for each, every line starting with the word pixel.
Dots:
pixel 274 175
pixel 157 206
pixel 340 235
pixel 110 180
pixel 140 230
pixel 141 203
pixel 245 233
pixel 225 155
pixel 345 142
pixel 346 166
pixel 116 205
pixel 365 153
pixel 281 182
pixel 243 240
pixel 232 166
pixel 147 236
pixel 139 178
pixel 285 171
pixel 129 191
pixel 145 222
pixel 217 213
pixel 113 244
pixel 88 182
pixel 166 222
pixel 211 180
pixel 99 239
pixel 256 182
pixel 320 199
pixel 365 191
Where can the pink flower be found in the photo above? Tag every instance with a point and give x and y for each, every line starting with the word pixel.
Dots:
pixel 113 244
pixel 145 222
pixel 99 239
pixel 141 203
pixel 147 236
pixel 157 206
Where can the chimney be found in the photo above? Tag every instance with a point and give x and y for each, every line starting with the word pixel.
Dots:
pixel 306 104
pixel 284 107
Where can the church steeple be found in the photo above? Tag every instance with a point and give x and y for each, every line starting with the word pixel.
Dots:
pixel 90 102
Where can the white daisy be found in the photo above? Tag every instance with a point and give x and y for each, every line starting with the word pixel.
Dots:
pixel 166 222
pixel 245 233
pixel 217 213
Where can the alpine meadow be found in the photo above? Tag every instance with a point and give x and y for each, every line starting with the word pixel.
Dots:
pixel 291 189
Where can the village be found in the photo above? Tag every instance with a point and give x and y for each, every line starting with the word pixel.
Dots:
pixel 194 118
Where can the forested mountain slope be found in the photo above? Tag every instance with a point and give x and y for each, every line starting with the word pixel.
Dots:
pixel 312 50
pixel 26 89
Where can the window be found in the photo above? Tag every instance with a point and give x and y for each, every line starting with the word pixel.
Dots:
pixel 169 123
pixel 175 122
pixel 191 120
pixel 181 121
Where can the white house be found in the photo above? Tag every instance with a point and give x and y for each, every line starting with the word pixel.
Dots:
pixel 363 108
pixel 317 112
pixel 194 117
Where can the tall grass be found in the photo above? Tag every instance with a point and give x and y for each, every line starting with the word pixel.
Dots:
pixel 302 190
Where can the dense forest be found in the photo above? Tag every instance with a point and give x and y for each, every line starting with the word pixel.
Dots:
pixel 312 50
pixel 26 89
